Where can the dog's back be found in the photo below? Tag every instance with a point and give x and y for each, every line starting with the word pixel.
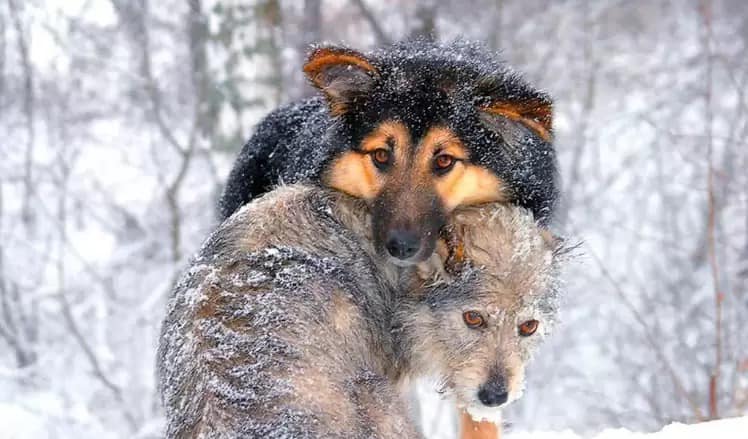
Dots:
pixel 273 330
pixel 287 324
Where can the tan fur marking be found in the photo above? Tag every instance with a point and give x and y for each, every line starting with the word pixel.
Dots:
pixel 326 57
pixel 465 184
pixel 353 172
pixel 387 130
pixel 536 116
pixel 444 140
pixel 468 185
pixel 470 429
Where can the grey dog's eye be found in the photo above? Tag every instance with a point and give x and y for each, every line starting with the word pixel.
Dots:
pixel 473 319
pixel 528 328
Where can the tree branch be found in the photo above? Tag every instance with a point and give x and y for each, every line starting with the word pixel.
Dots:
pixel 656 348
pixel 379 34
pixel 705 9
pixel 28 109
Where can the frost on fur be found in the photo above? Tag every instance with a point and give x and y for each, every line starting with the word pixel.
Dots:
pixel 288 324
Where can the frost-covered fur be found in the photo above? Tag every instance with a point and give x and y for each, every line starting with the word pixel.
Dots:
pixel 288 326
pixel 510 275
pixel 280 329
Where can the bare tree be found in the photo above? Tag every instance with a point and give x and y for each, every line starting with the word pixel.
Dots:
pixel 121 119
pixel 22 37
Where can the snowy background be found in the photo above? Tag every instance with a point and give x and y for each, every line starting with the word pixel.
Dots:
pixel 119 120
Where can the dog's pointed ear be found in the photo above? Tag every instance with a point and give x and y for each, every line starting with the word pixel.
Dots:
pixel 558 245
pixel 552 241
pixel 534 113
pixel 342 74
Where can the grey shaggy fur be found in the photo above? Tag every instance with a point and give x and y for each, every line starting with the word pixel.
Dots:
pixel 288 326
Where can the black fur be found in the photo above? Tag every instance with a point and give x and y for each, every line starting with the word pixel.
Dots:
pixel 421 84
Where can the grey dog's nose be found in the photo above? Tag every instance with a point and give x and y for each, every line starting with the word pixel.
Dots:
pixel 403 244
pixel 493 393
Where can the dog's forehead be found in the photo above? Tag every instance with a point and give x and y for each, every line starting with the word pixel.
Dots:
pixel 416 103
pixel 459 60
pixel 530 292
pixel 517 304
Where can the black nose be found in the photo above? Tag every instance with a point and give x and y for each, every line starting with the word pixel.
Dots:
pixel 492 395
pixel 402 244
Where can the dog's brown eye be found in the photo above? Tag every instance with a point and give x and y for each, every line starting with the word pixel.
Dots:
pixel 528 328
pixel 473 319
pixel 443 163
pixel 381 157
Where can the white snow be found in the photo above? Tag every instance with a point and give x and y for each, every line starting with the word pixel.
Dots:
pixel 734 428
pixel 20 423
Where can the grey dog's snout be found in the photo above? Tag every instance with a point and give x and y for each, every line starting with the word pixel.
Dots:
pixel 494 392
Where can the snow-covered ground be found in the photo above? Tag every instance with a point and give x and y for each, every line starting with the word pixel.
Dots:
pixel 735 428
pixel 21 423
pixel 438 421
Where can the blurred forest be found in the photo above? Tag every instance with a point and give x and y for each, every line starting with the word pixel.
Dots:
pixel 119 121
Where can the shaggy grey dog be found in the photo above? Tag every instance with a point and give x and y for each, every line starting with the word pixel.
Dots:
pixel 287 324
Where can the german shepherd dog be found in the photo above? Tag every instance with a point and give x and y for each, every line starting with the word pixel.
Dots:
pixel 416 130
pixel 289 324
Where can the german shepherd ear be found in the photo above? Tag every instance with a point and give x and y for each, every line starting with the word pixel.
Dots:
pixel 534 113
pixel 342 74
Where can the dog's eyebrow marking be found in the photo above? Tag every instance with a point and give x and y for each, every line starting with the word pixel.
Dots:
pixel 439 147
pixel 391 133
pixel 442 139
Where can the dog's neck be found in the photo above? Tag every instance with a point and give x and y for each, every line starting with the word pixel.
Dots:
pixel 354 214
pixel 410 361
pixel 409 284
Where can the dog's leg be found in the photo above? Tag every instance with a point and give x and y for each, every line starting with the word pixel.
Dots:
pixel 470 429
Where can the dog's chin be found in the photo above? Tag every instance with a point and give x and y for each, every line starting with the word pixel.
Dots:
pixel 480 412
pixel 404 263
